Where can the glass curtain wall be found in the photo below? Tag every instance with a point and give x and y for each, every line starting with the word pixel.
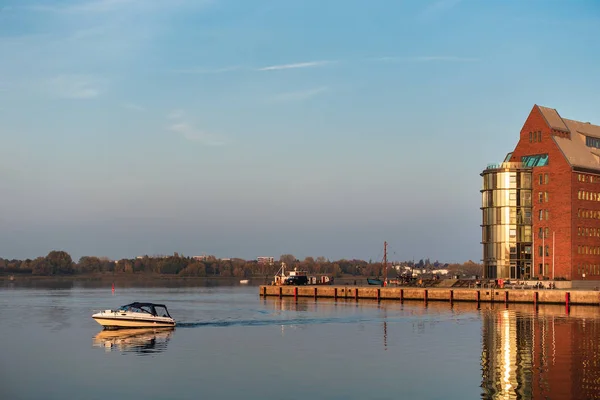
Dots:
pixel 506 200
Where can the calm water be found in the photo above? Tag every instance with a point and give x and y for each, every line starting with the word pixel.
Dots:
pixel 232 344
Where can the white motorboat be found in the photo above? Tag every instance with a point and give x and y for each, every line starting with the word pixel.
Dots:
pixel 136 315
pixel 244 281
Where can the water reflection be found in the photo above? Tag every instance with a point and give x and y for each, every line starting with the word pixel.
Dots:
pixel 540 355
pixel 139 341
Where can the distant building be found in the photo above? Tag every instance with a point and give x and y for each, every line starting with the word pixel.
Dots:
pixel 203 257
pixel 265 260
pixel 541 206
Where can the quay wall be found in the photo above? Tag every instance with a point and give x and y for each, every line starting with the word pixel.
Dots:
pixel 486 295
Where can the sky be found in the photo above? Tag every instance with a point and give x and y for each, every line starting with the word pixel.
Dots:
pixel 245 128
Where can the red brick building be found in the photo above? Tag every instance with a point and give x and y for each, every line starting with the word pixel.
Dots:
pixel 563 157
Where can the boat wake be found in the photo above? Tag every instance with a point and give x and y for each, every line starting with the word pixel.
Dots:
pixel 268 322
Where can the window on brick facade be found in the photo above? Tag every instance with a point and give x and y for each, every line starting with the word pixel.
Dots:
pixel 530 137
pixel 540 251
pixel 546 197
pixel 541 233
pixel 546 232
pixel 541 179
pixel 541 197
pixel 547 250
pixel 540 269
pixel 541 214
pixel 538 160
pixel 546 179
pixel 547 215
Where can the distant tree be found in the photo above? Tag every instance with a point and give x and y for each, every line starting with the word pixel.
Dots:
pixel 138 266
pixel 88 264
pixel 288 259
pixel 336 271
pixel 59 262
pixel 172 265
pixel 40 266
pixel 194 269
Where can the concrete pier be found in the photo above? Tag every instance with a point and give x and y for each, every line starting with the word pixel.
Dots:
pixel 484 295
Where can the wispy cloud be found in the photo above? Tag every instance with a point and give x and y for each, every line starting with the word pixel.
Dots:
pixel 76 86
pixel 134 107
pixel 308 64
pixel 299 95
pixel 187 130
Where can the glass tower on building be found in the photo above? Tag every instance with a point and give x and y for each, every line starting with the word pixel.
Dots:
pixel 506 204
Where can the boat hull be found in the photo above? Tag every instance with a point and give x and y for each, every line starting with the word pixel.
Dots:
pixel 118 323
pixel 377 282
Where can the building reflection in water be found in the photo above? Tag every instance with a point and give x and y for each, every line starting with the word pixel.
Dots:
pixel 139 341
pixel 544 355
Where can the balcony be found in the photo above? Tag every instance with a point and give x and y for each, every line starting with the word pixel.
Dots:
pixel 507 165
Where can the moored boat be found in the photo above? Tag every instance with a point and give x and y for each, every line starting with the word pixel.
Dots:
pixel 372 281
pixel 299 277
pixel 384 267
pixel 136 315
pixel 244 281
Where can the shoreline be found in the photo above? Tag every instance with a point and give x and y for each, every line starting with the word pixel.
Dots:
pixel 145 277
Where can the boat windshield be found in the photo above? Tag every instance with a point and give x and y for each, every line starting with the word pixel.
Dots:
pixel 161 311
pixel 149 308
pixel 138 309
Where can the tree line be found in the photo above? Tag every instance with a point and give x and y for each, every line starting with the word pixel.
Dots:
pixel 60 263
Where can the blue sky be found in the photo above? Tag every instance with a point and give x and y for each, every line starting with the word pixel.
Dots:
pixel 246 128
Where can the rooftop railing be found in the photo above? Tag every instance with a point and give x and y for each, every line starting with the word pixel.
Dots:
pixel 506 165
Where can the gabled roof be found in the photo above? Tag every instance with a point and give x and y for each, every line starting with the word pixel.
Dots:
pixel 585 128
pixel 574 148
pixel 553 119
pixel 577 153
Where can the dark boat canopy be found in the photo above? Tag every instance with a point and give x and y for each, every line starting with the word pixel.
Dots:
pixel 150 308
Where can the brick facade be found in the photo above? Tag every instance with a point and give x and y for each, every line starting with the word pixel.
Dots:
pixel 575 251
